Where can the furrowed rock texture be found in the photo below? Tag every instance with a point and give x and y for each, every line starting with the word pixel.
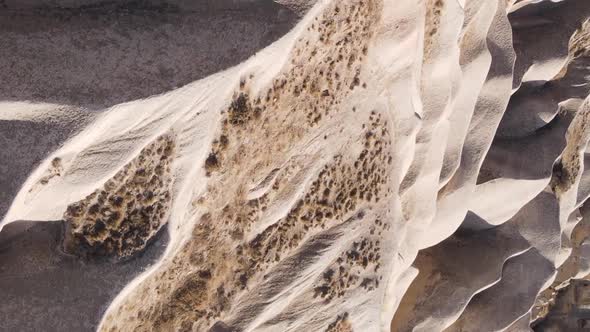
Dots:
pixel 120 218
pixel 251 221
pixel 410 165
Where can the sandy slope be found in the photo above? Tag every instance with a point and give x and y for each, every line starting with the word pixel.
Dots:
pixel 384 165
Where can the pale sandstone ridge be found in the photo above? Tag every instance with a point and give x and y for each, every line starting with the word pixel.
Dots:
pixel 383 166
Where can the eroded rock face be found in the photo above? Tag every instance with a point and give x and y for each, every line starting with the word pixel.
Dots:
pixel 340 325
pixel 228 255
pixel 384 166
pixel 120 219
pixel 569 312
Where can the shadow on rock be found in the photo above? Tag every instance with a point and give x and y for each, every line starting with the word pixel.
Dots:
pixel 45 290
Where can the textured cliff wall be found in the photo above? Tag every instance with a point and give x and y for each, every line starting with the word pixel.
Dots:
pixel 357 165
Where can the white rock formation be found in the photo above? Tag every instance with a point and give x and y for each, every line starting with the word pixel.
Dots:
pixel 407 165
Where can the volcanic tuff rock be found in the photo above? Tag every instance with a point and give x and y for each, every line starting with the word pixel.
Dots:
pixel 294 165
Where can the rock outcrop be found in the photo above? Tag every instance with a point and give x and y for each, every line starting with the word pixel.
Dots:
pixel 352 165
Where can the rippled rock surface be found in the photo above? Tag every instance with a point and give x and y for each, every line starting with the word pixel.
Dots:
pixel 294 165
